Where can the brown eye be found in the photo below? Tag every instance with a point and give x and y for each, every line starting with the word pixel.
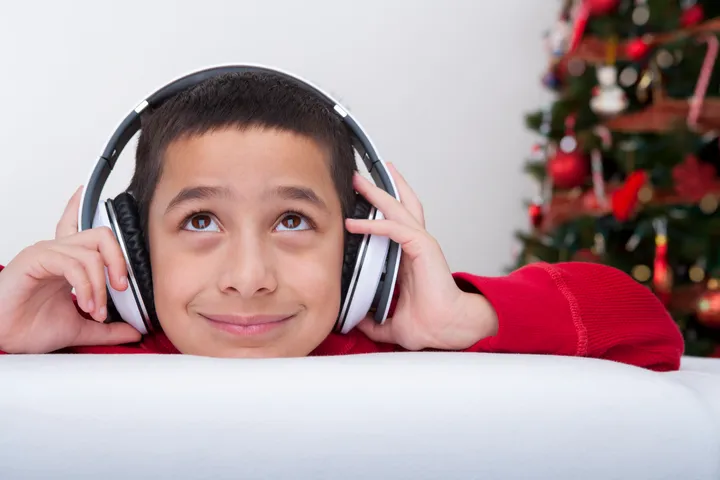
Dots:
pixel 293 221
pixel 200 222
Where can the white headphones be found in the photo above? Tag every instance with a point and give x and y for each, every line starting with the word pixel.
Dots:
pixel 371 262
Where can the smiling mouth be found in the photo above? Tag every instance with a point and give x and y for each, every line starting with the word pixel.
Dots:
pixel 247 325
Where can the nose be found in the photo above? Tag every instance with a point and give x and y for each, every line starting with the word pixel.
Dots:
pixel 248 268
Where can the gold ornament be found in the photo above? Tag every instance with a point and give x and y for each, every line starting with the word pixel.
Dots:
pixel 643 88
pixel 660 240
pixel 709 204
pixel 713 284
pixel 645 194
pixel 641 273
pixel 697 274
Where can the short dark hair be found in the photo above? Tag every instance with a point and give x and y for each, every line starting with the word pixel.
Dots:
pixel 240 100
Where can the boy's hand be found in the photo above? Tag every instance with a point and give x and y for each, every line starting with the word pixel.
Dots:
pixel 431 311
pixel 37 312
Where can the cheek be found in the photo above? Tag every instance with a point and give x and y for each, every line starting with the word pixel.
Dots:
pixel 176 280
pixel 315 276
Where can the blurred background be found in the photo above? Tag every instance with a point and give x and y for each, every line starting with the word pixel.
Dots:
pixel 532 130
pixel 441 86
pixel 626 168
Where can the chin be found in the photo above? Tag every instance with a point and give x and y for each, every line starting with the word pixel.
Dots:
pixel 270 351
pixel 203 337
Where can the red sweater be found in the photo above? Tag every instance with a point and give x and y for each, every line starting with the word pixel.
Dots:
pixel 576 309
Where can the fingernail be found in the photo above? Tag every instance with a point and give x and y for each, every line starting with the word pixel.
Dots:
pixel 102 312
pixel 90 306
pixel 123 281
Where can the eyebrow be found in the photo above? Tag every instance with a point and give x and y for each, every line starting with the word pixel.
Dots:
pixel 305 194
pixel 204 192
pixel 201 192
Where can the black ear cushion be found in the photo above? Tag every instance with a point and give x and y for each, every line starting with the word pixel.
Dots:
pixel 352 245
pixel 128 220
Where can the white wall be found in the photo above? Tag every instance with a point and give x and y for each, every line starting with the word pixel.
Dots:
pixel 443 82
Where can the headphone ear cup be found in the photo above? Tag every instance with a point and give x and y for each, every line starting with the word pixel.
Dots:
pixel 353 242
pixel 129 228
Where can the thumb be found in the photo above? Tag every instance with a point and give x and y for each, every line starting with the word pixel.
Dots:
pixel 114 333
pixel 376 332
pixel 68 224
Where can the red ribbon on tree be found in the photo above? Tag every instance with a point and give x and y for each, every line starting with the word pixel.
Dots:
pixel 625 199
pixel 582 15
pixel 585 10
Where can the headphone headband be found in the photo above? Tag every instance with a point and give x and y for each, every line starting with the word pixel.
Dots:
pixel 131 125
pixel 375 272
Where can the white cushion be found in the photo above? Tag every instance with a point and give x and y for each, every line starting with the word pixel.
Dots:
pixel 384 416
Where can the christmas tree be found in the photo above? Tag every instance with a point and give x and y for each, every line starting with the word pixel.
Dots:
pixel 628 158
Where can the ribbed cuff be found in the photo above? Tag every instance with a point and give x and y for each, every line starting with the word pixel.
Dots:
pixel 522 301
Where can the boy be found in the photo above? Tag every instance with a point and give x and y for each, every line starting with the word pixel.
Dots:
pixel 244 185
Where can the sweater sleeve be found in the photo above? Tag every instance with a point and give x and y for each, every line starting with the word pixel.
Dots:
pixel 578 309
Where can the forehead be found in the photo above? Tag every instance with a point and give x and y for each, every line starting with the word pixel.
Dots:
pixel 250 156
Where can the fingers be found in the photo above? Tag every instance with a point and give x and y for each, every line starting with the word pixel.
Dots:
pixel 68 224
pixel 387 204
pixel 411 239
pixel 407 195
pixel 82 260
pixel 397 232
pixel 93 264
pixel 102 240
pixel 58 264
pixel 96 334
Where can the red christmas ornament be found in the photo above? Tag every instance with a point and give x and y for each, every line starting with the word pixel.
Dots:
pixel 625 198
pixel 708 309
pixel 536 215
pixel 568 170
pixel 637 49
pixel 601 7
pixel 692 16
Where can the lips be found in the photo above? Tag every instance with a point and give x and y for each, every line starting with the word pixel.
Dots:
pixel 248 325
pixel 247 320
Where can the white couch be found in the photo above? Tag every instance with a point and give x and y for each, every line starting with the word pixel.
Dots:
pixel 388 416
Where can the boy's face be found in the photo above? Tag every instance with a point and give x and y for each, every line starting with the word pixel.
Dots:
pixel 246 242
